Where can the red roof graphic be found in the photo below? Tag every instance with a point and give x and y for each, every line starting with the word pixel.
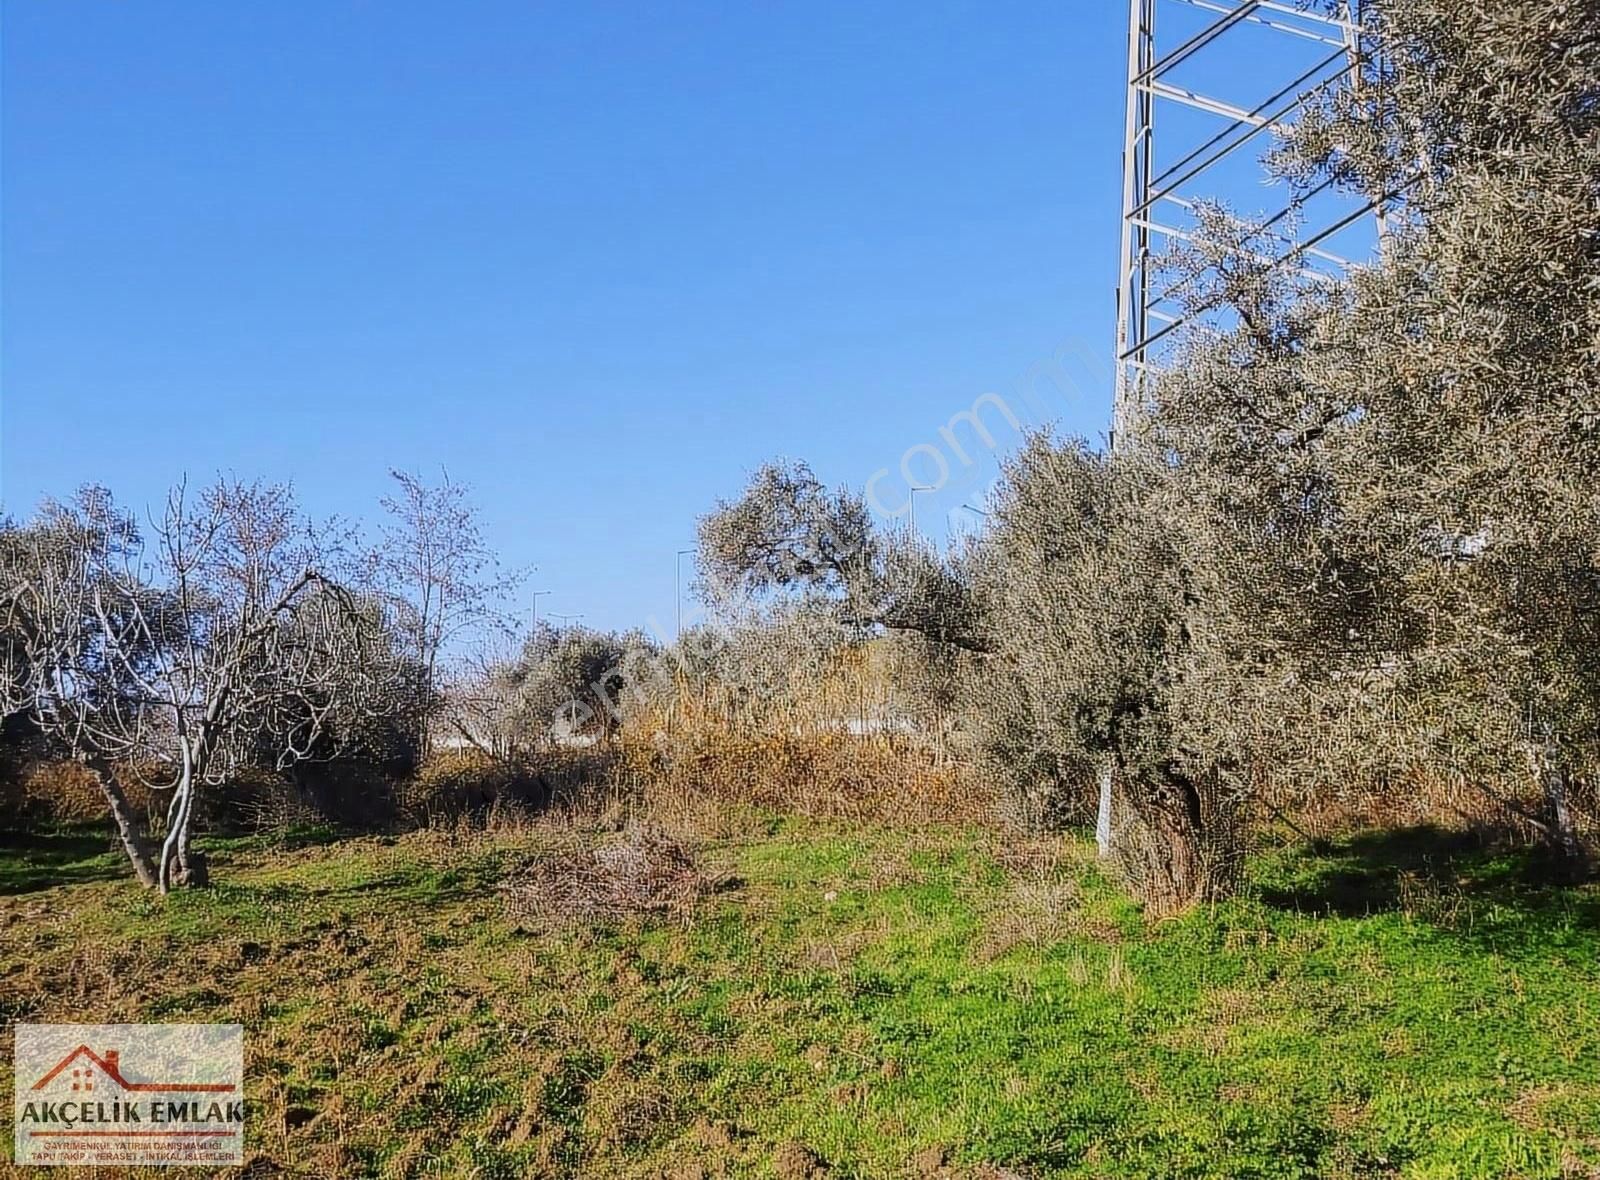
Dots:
pixel 111 1063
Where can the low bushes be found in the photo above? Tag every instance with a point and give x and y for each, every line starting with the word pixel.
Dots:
pixel 823 775
pixel 639 871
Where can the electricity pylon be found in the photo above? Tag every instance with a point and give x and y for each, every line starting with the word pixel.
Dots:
pixel 1208 85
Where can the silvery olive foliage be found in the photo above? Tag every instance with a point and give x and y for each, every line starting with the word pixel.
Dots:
pixel 787 531
pixel 806 593
pixel 788 535
pixel 587 680
pixel 1355 533
pixel 1427 436
pixel 1121 632
pixel 566 684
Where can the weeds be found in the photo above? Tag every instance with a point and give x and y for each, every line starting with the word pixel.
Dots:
pixel 851 1000
pixel 641 871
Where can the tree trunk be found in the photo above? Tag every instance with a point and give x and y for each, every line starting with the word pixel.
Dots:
pixel 1102 822
pixel 191 871
pixel 1176 843
pixel 180 864
pixel 425 714
pixel 133 841
pixel 1176 821
pixel 1562 830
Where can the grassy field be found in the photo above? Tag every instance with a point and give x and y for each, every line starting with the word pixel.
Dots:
pixel 856 1001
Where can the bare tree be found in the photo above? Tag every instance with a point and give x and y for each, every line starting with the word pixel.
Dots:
pixel 172 661
pixel 482 702
pixel 70 577
pixel 444 578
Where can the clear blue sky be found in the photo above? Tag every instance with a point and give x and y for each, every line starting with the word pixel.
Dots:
pixel 598 260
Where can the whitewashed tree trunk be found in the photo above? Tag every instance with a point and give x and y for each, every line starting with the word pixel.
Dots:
pixel 1102 822
pixel 1563 831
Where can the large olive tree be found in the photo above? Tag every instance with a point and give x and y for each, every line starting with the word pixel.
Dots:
pixel 1124 636
pixel 1429 432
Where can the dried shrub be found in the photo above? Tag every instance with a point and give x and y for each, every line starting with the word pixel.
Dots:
pixel 61 791
pixel 823 775
pixel 258 801
pixel 639 871
pixel 1043 902
pixel 458 784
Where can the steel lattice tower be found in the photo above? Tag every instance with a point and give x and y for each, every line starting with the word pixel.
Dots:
pixel 1207 85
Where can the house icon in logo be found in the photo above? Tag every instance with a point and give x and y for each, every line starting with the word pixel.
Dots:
pixel 84 1069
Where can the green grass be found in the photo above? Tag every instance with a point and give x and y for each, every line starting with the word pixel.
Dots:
pixel 40 860
pixel 1398 1004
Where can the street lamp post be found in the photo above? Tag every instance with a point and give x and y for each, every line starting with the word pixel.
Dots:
pixel 976 511
pixel 537 594
pixel 912 501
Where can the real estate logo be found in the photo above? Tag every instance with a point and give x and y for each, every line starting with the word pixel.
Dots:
pixel 129 1094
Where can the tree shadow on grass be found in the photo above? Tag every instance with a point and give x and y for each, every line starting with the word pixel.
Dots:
pixel 32 861
pixel 288 839
pixel 1472 884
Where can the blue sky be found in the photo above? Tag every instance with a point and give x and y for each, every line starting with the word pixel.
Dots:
pixel 597 260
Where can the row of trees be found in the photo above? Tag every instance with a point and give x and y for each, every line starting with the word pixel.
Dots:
pixel 1352 536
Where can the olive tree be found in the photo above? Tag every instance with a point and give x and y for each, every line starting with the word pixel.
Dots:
pixel 1122 634
pixel 1428 430
pixel 564 683
pixel 789 535
pixel 811 595
pixel 578 680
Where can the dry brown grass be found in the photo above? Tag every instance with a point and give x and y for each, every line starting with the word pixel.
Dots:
pixel 1444 801
pixel 639 871
pixel 48 791
pixel 1043 904
pixel 62 792
pixel 817 775
pixel 457 783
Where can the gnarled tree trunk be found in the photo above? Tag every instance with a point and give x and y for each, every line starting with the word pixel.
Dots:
pixel 1176 841
pixel 128 831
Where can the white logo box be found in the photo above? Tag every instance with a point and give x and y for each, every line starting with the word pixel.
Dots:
pixel 129 1094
